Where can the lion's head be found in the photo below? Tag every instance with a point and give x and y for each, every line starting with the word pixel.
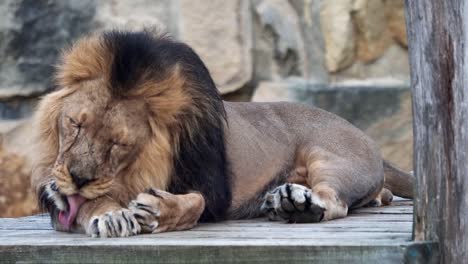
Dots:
pixel 132 111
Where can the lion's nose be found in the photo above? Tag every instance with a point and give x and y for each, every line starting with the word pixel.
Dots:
pixel 79 181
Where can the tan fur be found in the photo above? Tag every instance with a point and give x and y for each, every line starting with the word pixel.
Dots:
pixel 167 210
pixel 335 160
pixel 336 207
pixel 385 197
pixel 88 59
pixel 339 164
pixel 398 181
pixel 46 137
pixel 83 76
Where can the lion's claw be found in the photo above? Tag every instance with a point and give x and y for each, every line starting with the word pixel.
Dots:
pixel 146 210
pixel 294 203
pixel 120 223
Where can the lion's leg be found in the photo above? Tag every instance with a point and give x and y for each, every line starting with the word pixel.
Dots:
pixel 328 186
pixel 295 203
pixel 299 204
pixel 158 211
pixel 385 197
pixel 103 217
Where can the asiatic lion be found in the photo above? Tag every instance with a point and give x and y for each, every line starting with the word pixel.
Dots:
pixel 136 139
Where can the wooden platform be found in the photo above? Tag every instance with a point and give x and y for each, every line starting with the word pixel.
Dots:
pixel 369 235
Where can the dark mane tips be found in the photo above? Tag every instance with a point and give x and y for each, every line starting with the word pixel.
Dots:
pixel 200 163
pixel 146 56
pixel 135 56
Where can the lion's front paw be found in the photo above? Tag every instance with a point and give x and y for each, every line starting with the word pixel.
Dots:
pixel 294 203
pixel 120 223
pixel 159 211
pixel 147 210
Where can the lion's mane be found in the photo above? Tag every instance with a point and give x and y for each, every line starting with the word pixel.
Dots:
pixel 187 117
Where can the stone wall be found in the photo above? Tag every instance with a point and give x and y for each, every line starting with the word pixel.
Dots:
pixel 243 42
pixel 346 56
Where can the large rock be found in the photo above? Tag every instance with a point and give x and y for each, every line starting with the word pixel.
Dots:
pixel 279 48
pixel 17 137
pixel 16 195
pixel 275 92
pixel 339 33
pixel 220 32
pixel 136 15
pixel 371 24
pixel 308 12
pixel 392 66
pixel 32 34
pixel 395 10
pixel 288 40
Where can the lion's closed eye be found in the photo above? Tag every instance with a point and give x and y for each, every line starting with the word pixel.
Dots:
pixel 73 123
pixel 120 144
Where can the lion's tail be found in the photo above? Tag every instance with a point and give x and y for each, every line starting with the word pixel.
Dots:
pixel 400 183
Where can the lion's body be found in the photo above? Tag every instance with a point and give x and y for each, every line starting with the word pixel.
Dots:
pixel 137 139
pixel 268 141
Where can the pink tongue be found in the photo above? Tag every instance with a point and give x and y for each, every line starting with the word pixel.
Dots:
pixel 74 203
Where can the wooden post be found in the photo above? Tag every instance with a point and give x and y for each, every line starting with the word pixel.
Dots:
pixel 438 50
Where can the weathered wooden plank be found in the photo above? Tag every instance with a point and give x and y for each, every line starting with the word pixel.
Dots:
pixel 344 227
pixel 202 242
pixel 351 227
pixel 386 210
pixel 438 37
pixel 401 232
pixel 365 236
pixel 353 221
pixel 208 254
pixel 348 225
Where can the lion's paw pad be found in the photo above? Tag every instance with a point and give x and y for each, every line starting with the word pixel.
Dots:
pixel 294 203
pixel 120 223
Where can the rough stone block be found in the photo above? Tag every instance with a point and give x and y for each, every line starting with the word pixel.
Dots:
pixel 339 33
pixel 220 32
pixel 32 34
pixel 371 24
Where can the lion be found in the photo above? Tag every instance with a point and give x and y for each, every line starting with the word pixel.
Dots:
pixel 136 139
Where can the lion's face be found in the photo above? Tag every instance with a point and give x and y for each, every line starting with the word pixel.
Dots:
pixel 99 137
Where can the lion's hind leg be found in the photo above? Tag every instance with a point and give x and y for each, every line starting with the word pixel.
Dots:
pixel 298 204
pixel 321 188
pixel 295 203
pixel 384 198
pixel 159 211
